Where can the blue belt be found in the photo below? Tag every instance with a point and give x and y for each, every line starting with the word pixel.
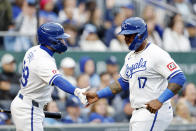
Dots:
pixel 34 103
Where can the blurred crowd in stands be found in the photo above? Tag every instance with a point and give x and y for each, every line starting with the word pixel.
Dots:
pixel 93 26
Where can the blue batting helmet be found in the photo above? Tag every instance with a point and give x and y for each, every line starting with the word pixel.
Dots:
pixel 52 34
pixel 134 25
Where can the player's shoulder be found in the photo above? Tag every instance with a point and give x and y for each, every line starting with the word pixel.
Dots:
pixel 39 54
pixel 32 48
pixel 156 51
pixel 128 55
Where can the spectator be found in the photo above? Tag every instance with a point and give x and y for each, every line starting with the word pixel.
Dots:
pixel 110 33
pixel 184 7
pixel 118 43
pixel 73 14
pixel 5 17
pixel 87 66
pixel 68 70
pixel 90 40
pixel 73 111
pixel 99 112
pixel 46 13
pixel 173 37
pixel 52 107
pixel 191 29
pixel 153 35
pixel 114 101
pixel 97 20
pixel 149 13
pixel 126 113
pixel 128 10
pixel 3 119
pixel 17 8
pixel 193 3
pixel 112 67
pixel 25 24
pixel 83 81
pixel 183 115
pixel 72 41
pixel 105 80
pixel 9 79
pixel 190 98
pixel 109 13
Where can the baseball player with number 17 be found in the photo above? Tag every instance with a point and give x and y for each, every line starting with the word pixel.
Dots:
pixel 152 77
pixel 39 70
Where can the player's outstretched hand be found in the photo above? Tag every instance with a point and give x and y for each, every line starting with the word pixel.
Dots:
pixel 91 96
pixel 153 106
pixel 80 94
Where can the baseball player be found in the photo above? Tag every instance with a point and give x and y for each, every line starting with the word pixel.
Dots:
pixel 152 77
pixel 39 70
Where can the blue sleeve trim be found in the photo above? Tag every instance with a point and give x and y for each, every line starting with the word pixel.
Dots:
pixel 123 84
pixel 178 79
pixel 175 72
pixel 50 82
pixel 124 79
pixel 64 85
pixel 105 92
pixel 166 95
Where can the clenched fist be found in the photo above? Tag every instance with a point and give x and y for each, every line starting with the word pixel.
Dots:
pixel 91 96
pixel 153 106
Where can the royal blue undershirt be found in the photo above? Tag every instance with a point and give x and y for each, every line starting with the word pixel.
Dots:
pixel 167 94
pixel 50 52
pixel 64 85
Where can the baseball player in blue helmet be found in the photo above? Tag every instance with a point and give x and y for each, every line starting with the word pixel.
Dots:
pixel 39 71
pixel 151 76
pixel 135 27
pixel 52 35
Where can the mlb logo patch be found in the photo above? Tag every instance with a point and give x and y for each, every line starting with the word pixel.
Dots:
pixel 171 66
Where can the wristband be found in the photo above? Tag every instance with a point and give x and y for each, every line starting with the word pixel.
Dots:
pixel 166 95
pixel 105 92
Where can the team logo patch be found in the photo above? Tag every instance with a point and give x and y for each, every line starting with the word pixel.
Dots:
pixel 171 66
pixel 54 71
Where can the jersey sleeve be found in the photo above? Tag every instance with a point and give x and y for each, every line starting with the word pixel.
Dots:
pixel 123 71
pixel 165 65
pixel 47 70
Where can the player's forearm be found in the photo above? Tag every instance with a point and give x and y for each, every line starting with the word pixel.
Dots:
pixel 174 85
pixel 64 85
pixel 112 89
pixel 115 87
pixel 175 88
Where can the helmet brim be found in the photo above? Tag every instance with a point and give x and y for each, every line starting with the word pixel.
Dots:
pixel 64 36
pixel 127 32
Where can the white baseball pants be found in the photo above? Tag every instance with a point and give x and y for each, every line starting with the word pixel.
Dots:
pixel 25 116
pixel 143 120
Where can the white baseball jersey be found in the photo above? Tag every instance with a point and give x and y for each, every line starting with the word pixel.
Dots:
pixel 39 70
pixel 148 72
